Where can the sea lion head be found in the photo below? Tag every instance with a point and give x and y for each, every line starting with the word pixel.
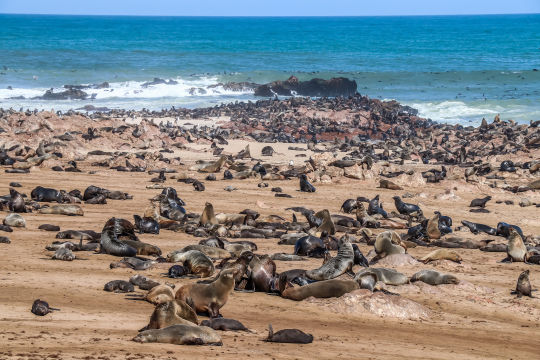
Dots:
pixel 145 337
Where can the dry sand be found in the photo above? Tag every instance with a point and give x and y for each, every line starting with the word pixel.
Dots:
pixel 476 319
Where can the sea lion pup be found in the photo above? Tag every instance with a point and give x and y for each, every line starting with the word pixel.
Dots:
pixel 309 246
pixel 481 203
pixel 208 298
pixel 305 185
pixel 41 308
pixel 433 277
pixel 224 324
pixel 146 225
pixel 516 249
pixel 197 262
pixel 387 276
pixel 359 258
pixel 180 335
pixel 320 289
pixel 160 294
pixel 177 271
pixel 14 220
pixel 119 286
pixel 336 266
pixel 143 282
pixel 291 336
pixel 388 243
pixel 174 312
pixel 327 224
pixel 210 167
pixel 210 251
pixel 364 218
pixel 62 209
pixel 208 217
pixel 523 286
pixel 4 240
pixel 476 228
pixel 441 254
pixel 49 227
pixel 64 254
pixel 16 202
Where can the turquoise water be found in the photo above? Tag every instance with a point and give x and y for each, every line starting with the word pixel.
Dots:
pixel 452 68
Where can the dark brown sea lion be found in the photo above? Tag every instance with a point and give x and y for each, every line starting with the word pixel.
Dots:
pixel 224 324
pixel 16 202
pixel 523 286
pixel 292 336
pixel 119 286
pixel 41 308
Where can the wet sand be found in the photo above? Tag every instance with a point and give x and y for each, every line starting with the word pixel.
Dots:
pixel 477 319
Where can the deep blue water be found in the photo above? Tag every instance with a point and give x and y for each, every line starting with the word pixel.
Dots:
pixel 453 68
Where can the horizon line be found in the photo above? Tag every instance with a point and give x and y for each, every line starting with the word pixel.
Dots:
pixel 271 16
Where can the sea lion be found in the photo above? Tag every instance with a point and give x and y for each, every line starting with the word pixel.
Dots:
pixel 481 203
pixel 4 240
pixel 14 220
pixel 111 245
pixel 210 251
pixel 375 208
pixel 364 218
pixel 146 225
pixel 180 335
pixel 262 273
pixel 327 225
pixel 523 286
pixel 305 185
pixel 174 312
pixel 6 228
pixel 503 229
pixel 208 298
pixel 476 228
pixel 41 308
pixel 49 227
pixel 321 289
pixel 432 228
pixel 210 167
pixel 336 266
pixel 79 235
pixel 208 217
pixel 406 208
pixel 134 263
pixel 441 254
pixel 291 336
pixel 177 271
pixel 348 206
pixel 308 245
pixel 143 282
pixel 387 184
pixel 359 258
pixel 387 276
pixel 119 286
pixel 516 249
pixel 388 243
pixel 16 202
pixel 143 248
pixel 160 294
pixel 433 277
pixel 197 262
pixel 224 324
pixel 62 209
pixel 46 194
pixel 64 254
pixel 286 257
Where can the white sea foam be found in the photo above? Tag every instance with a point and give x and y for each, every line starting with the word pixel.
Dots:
pixel 456 111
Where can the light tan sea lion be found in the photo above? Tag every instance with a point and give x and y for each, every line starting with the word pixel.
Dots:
pixel 516 249
pixel 180 335
pixel 387 276
pixel 432 230
pixel 212 167
pixel 327 223
pixel 387 184
pixel 160 294
pixel 433 277
pixel 208 298
pixel 208 217
pixel 210 251
pixel 385 244
pixel 321 289
pixel 172 312
pixel 63 209
pixel 442 254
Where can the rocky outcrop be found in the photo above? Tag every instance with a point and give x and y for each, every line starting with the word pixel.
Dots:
pixel 71 93
pixel 314 87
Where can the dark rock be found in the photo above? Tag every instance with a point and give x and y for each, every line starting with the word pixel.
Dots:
pixel 314 87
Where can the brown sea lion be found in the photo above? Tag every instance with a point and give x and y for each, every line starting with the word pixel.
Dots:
pixel 388 243
pixel 516 250
pixel 160 294
pixel 208 217
pixel 208 298
pixel 433 277
pixel 197 262
pixel 172 312
pixel 432 228
pixel 523 286
pixel 291 336
pixel 321 289
pixel 336 266
pixel 180 335
pixel 62 209
pixel 143 248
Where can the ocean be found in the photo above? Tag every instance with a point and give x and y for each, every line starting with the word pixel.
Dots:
pixel 454 69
